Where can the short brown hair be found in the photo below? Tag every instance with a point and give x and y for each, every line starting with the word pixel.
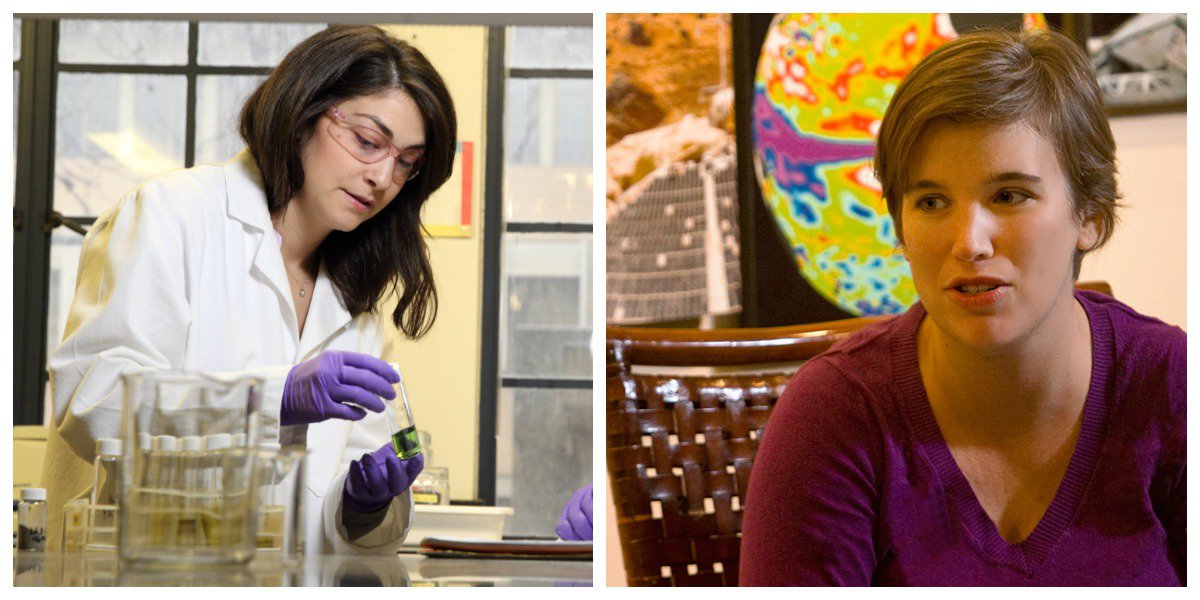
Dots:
pixel 278 119
pixel 1003 77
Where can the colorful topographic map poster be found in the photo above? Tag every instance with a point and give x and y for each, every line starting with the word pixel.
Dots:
pixel 822 85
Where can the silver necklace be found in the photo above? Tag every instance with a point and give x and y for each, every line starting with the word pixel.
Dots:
pixel 302 292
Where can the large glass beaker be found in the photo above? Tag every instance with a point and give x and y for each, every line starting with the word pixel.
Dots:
pixel 188 487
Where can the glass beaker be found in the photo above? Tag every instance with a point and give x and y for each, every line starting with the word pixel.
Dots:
pixel 280 512
pixel 405 439
pixel 179 506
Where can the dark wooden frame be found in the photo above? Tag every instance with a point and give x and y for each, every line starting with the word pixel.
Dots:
pixel 1080 27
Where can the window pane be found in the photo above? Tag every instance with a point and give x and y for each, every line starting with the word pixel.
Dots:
pixel 543 454
pixel 547 305
pixel 219 100
pixel 550 48
pixel 111 42
pixel 112 133
pixel 16 78
pixel 250 44
pixel 64 265
pixel 548 150
pixel 16 100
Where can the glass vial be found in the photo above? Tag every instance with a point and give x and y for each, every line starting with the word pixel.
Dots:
pixel 190 480
pixel 405 439
pixel 271 509
pixel 31 520
pixel 165 508
pixel 213 502
pixel 102 526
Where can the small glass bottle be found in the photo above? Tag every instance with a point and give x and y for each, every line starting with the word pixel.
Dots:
pixel 31 520
pixel 405 439
pixel 102 526
pixel 432 486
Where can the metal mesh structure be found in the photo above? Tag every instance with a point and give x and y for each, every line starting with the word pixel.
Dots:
pixel 673 249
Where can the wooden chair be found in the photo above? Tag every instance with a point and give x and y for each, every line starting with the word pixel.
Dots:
pixel 680 446
pixel 685 409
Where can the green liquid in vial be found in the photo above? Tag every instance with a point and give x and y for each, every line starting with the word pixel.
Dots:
pixel 406 443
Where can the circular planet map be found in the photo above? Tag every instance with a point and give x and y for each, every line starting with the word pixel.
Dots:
pixel 822 84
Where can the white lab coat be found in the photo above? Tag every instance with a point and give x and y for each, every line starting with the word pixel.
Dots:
pixel 185 272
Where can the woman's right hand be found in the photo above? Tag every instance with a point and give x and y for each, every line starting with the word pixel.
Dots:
pixel 318 389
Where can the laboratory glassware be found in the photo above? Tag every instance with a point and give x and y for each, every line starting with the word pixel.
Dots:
pixel 405 439
pixel 189 530
pixel 432 486
pixel 31 520
pixel 280 480
pixel 185 501
pixel 102 510
pixel 75 517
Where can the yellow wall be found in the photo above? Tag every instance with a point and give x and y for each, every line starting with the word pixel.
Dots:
pixel 442 369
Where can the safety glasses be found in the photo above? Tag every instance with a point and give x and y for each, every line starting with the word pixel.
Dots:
pixel 370 146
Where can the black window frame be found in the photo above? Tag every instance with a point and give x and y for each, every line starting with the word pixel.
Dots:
pixel 495 228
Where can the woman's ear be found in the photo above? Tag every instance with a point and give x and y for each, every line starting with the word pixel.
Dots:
pixel 1089 232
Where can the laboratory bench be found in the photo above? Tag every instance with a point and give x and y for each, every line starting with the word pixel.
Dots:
pixel 106 569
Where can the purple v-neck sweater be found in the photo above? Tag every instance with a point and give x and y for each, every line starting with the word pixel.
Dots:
pixel 853 483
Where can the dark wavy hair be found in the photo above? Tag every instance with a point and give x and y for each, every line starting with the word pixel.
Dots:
pixel 1002 77
pixel 388 250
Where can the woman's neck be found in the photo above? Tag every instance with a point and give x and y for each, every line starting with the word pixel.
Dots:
pixel 301 237
pixel 1040 383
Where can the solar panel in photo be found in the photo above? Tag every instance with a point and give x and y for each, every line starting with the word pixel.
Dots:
pixel 657 268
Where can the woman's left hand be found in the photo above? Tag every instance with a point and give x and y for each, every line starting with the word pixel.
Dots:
pixel 378 477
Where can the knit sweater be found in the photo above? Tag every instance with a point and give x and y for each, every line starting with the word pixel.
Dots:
pixel 854 484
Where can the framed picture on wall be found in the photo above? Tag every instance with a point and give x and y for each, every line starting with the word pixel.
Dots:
pixel 1140 58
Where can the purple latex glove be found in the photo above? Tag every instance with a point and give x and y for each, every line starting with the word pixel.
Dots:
pixel 378 477
pixel 576 520
pixel 318 389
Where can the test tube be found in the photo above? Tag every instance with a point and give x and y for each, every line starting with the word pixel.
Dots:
pixel 405 439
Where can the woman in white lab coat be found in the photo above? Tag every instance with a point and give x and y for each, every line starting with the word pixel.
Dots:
pixel 272 265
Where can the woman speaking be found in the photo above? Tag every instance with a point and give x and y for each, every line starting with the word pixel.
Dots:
pixel 1008 429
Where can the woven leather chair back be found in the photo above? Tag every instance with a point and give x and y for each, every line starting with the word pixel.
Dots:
pixel 680 446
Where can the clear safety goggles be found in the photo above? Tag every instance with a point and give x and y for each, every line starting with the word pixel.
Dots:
pixel 370 146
